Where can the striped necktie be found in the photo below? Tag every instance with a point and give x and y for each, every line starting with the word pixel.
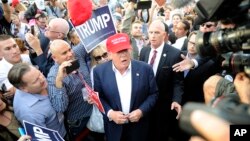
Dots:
pixel 153 58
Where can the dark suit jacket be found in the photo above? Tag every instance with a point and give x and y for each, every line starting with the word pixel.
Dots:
pixel 43 61
pixel 170 85
pixel 193 82
pixel 144 95
pixel 135 48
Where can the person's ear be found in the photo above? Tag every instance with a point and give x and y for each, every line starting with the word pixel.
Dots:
pixel 54 57
pixel 59 36
pixel 110 55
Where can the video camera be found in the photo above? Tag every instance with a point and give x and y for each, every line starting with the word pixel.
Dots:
pixel 229 108
pixel 226 40
pixel 231 44
pixel 144 6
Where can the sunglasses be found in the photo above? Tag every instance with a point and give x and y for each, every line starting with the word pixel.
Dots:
pixel 207 25
pixel 99 58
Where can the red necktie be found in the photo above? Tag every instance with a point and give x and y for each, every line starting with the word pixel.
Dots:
pixel 153 59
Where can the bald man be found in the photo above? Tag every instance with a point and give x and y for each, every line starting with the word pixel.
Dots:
pixel 57 28
pixel 65 90
pixel 167 110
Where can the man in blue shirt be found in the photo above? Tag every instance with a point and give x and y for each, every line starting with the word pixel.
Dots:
pixel 65 90
pixel 31 101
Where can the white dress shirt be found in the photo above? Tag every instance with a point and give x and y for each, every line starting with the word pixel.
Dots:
pixel 158 57
pixel 124 84
pixel 179 42
pixel 5 68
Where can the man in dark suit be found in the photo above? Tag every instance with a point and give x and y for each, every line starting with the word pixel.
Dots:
pixel 163 123
pixel 127 90
pixel 194 78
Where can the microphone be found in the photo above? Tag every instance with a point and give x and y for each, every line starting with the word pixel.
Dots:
pixel 180 3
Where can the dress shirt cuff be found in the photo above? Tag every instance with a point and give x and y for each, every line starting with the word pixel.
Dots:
pixel 108 114
pixel 195 63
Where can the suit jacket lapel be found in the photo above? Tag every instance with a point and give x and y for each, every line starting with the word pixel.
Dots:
pixel 135 82
pixel 162 59
pixel 147 54
pixel 135 49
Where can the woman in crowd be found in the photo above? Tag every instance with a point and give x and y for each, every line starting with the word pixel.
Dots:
pixel 98 55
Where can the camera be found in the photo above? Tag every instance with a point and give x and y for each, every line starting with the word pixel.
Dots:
pixel 74 66
pixel 234 46
pixel 226 40
pixel 141 4
pixel 229 108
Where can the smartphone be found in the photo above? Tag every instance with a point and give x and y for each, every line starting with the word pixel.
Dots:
pixel 74 65
pixel 32 30
pixel 21 131
pixel 3 88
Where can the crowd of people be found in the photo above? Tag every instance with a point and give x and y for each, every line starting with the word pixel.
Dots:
pixel 143 74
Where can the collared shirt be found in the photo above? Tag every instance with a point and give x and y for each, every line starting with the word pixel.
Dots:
pixel 179 42
pixel 5 68
pixel 69 98
pixel 124 84
pixel 158 57
pixel 37 109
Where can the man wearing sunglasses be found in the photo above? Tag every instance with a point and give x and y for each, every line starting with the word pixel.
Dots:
pixel 57 28
pixel 208 27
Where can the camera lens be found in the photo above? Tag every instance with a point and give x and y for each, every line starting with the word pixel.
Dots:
pixel 203 46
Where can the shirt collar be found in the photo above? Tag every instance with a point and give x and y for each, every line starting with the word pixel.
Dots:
pixel 7 63
pixel 32 98
pixel 159 49
pixel 116 70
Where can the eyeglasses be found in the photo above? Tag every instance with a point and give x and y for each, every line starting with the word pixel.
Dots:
pixel 207 25
pixel 192 43
pixel 48 29
pixel 99 58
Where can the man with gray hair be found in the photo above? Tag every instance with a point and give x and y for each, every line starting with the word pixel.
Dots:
pixel 57 28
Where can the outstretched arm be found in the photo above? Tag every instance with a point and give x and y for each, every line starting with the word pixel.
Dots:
pixel 6 10
pixel 185 64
